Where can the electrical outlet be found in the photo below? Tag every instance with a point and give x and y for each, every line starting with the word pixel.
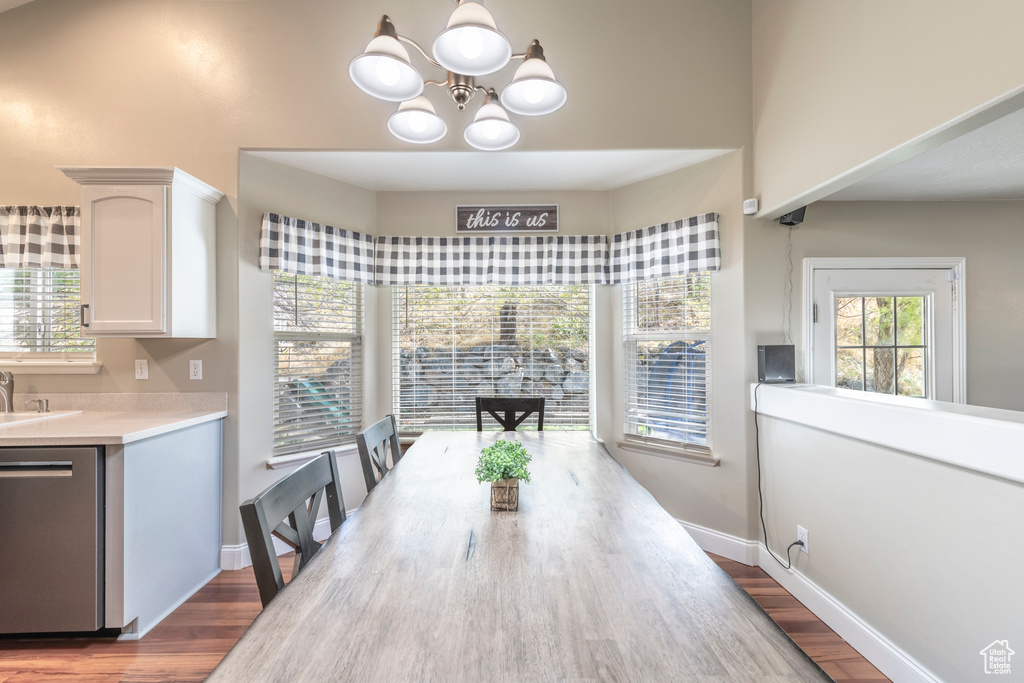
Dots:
pixel 801 535
pixel 195 369
pixel 142 369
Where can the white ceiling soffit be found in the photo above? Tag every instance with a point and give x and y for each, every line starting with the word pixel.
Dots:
pixel 984 164
pixel 491 171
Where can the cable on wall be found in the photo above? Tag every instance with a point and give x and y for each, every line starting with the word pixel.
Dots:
pixel 760 497
pixel 787 290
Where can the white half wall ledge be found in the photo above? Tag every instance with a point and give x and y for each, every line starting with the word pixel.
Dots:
pixel 984 440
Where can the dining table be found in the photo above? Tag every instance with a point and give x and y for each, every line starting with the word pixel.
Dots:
pixel 589 580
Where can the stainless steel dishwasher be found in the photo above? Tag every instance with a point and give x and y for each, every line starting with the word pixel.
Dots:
pixel 51 539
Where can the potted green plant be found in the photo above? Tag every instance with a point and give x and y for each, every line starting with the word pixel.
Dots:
pixel 503 463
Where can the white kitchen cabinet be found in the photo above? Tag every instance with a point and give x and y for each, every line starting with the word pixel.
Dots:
pixel 148 260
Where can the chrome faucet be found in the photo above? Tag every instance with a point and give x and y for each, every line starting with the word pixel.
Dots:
pixel 42 404
pixel 6 392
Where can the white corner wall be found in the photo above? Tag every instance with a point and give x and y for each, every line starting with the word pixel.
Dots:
pixel 926 554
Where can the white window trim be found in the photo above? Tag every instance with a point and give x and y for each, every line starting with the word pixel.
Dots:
pixel 693 453
pixel 956 266
pixel 281 462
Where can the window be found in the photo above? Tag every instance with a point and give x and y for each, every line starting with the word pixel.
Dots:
pixel 668 340
pixel 452 344
pixel 886 325
pixel 318 388
pixel 40 316
pixel 880 344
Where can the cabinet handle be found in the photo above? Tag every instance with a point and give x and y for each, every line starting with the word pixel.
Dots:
pixel 84 306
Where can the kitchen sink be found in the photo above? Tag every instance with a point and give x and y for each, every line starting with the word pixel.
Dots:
pixel 8 419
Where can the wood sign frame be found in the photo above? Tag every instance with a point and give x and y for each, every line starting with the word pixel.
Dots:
pixel 506 218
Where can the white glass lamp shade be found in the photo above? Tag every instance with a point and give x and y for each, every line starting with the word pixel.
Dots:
pixel 416 121
pixel 472 45
pixel 533 90
pixel 384 71
pixel 491 130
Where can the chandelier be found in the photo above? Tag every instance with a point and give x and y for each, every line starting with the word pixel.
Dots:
pixel 470 46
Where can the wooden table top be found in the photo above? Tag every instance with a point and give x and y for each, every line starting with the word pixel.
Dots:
pixel 590 579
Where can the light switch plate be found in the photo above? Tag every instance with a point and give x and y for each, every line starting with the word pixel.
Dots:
pixel 195 369
pixel 142 369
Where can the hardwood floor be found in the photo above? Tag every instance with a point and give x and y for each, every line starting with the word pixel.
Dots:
pixel 811 634
pixel 189 643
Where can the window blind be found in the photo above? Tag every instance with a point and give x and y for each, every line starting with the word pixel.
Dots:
pixel 668 343
pixel 318 393
pixel 40 315
pixel 452 344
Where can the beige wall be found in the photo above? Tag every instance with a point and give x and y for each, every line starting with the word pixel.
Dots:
pixel 715 497
pixel 267 186
pixel 837 84
pixel 987 234
pixel 177 82
pixel 925 553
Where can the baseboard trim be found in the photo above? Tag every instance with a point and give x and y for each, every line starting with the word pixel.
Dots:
pixel 875 647
pixel 733 547
pixel 888 657
pixel 235 557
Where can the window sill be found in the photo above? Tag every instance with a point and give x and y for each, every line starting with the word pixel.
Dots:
pixel 704 458
pixel 66 367
pixel 281 462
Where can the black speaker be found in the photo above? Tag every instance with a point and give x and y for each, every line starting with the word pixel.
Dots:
pixel 776 363
pixel 793 217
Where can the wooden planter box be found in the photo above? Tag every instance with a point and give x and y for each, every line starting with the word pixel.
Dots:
pixel 505 494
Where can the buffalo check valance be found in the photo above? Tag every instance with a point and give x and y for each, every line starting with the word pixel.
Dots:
pixel 296 246
pixel 40 236
pixel 685 246
pixel 498 260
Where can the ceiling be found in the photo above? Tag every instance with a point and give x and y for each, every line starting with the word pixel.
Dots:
pixel 8 4
pixel 984 164
pixel 492 171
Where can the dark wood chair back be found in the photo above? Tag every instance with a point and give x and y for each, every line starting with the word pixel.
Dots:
pixel 375 442
pixel 288 510
pixel 504 411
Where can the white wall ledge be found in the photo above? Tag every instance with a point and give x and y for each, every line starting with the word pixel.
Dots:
pixel 986 440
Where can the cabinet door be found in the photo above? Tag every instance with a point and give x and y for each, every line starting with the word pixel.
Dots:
pixel 124 232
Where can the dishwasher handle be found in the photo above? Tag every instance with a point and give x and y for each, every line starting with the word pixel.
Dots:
pixel 35 468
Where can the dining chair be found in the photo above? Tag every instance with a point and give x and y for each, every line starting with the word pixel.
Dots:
pixel 288 511
pixel 504 411
pixel 375 442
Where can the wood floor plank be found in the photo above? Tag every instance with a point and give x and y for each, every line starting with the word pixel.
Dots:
pixel 190 642
pixel 833 654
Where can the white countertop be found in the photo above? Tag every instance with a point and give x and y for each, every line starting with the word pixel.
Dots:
pixel 102 427
pixel 103 419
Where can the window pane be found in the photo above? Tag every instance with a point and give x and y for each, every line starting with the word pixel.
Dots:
pixel 881 370
pixel 879 320
pixel 849 321
pixel 318 381
pixel 667 391
pixel 452 344
pixel 40 312
pixel 674 303
pixel 316 395
pixel 314 304
pixel 850 369
pixel 910 320
pixel 911 380
pixel 667 334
